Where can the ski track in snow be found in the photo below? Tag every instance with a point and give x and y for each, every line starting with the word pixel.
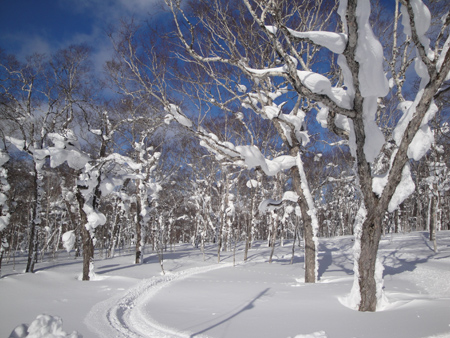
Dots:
pixel 125 316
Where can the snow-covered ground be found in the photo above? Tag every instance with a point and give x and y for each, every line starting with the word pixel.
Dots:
pixel 198 298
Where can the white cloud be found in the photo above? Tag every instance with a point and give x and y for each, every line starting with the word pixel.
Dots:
pixel 95 17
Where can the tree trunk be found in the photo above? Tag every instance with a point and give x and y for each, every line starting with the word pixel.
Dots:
pixel 219 241
pixel 222 220
pixel 431 218
pixel 88 252
pixel 114 233
pixel 31 245
pixel 273 238
pixel 310 253
pixel 247 233
pixel 370 239
pixel 395 219
pixel 1 255
pixel 138 239
pixel 310 245
pixel 86 238
pixel 293 245
pixel 36 220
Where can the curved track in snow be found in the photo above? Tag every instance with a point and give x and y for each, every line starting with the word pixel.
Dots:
pixel 126 316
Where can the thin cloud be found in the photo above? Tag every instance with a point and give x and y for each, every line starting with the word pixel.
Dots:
pixel 94 17
pixel 28 44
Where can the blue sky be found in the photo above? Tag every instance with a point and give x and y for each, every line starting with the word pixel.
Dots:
pixel 28 26
pixel 44 26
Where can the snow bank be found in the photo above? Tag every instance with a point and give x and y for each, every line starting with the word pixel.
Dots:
pixel 318 334
pixel 44 326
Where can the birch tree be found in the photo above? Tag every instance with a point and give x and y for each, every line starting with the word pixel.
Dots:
pixel 219 40
pixel 349 106
pixel 4 205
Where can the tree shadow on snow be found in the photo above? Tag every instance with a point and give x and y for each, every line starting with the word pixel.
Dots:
pixel 247 307
pixel 326 259
pixel 395 264
pixel 52 266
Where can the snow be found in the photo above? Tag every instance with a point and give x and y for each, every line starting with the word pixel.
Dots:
pixel 322 115
pixel 66 148
pixel 241 88
pixel 422 21
pixel 252 183
pixel 441 59
pixel 4 222
pixel 405 188
pixel 335 42
pixel 44 326
pixel 320 84
pixel 68 239
pixel 369 54
pixel 421 143
pixel 319 334
pixel 4 157
pixel 353 299
pixel 253 300
pixel 424 138
pixel 17 143
pixel 254 158
pixel 94 218
pixel 174 112
pixel 271 204
pixel 372 79
pixel 374 137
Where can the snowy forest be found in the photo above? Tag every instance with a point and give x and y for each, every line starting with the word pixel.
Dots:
pixel 231 123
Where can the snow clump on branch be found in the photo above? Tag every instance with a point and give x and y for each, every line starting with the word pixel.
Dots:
pixel 174 112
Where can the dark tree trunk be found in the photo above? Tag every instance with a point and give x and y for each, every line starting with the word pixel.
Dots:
pixel 34 224
pixel 86 238
pixel 114 234
pixel 138 255
pixel 1 257
pixel 273 238
pixel 31 245
pixel 310 252
pixel 370 239
pixel 248 237
pixel 432 218
pixel 88 252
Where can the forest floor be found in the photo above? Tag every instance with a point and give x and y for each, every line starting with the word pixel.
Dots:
pixel 197 297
